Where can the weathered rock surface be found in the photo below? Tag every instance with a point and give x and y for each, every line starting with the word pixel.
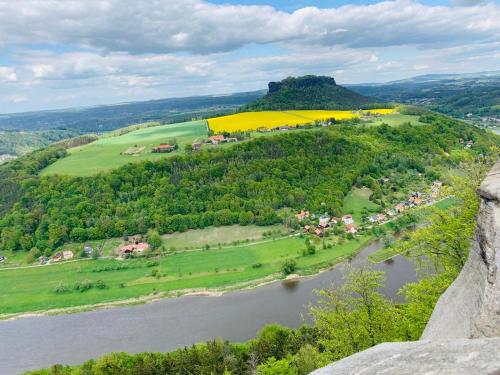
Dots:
pixel 463 333
pixel 470 308
pixel 443 357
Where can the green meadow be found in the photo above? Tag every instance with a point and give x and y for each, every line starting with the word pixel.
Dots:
pixel 357 201
pixel 34 289
pixel 107 153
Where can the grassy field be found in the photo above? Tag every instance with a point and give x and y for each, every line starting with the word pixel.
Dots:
pixel 270 119
pixel 357 201
pixel 107 153
pixel 225 235
pixel 33 289
pixel 395 119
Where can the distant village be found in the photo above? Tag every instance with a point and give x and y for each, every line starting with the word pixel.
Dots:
pixel 316 225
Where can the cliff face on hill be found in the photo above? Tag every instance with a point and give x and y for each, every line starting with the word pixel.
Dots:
pixel 308 92
pixel 463 333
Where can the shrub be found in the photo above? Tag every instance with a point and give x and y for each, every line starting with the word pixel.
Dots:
pixel 83 286
pixel 61 288
pixel 256 265
pixel 100 284
pixel 288 266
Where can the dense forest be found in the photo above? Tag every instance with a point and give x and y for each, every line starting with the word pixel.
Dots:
pixel 308 92
pixel 243 184
pixel 19 143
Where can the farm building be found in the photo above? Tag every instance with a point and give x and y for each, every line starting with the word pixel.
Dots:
pixel 351 228
pixel 324 221
pixel 196 145
pixel 216 139
pixel 347 219
pixel 307 228
pixel 319 232
pixel 135 248
pixel 2 259
pixel 302 215
pixel 164 148
pixel 43 259
pixel 57 257
pixel 67 255
pixel 87 250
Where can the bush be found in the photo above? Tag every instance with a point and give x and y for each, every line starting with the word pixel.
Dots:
pixel 61 288
pixel 83 286
pixel 100 284
pixel 288 266
pixel 256 265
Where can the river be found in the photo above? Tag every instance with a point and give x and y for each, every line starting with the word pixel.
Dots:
pixel 34 342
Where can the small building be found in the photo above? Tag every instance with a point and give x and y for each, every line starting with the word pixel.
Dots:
pixel 2 259
pixel 163 148
pixel 347 219
pixel 319 232
pixel 67 255
pixel 134 248
pixel 88 250
pixel 400 207
pixel 324 221
pixel 307 229
pixel 196 145
pixel 263 129
pixel 302 215
pixel 43 259
pixel 57 257
pixel 231 139
pixel 351 228
pixel 335 220
pixel 391 212
pixel 216 139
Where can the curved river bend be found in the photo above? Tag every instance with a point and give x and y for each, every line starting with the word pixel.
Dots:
pixel 166 325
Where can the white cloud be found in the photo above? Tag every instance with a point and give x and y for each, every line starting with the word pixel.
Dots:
pixel 420 66
pixel 7 74
pixel 197 26
pixel 16 98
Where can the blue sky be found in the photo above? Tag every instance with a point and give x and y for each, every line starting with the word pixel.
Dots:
pixel 62 54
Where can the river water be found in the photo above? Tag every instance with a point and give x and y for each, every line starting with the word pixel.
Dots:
pixel 34 342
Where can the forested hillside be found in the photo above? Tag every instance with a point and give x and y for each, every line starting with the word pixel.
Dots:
pixel 455 95
pixel 243 184
pixel 19 143
pixel 308 92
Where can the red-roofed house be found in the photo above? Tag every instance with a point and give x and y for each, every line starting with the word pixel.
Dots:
pixel 216 139
pixel 351 228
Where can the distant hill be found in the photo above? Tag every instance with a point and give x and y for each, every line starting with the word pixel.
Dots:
pixel 452 94
pixel 109 117
pixel 308 92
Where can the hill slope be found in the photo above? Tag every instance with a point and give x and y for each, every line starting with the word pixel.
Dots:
pixel 308 92
pixel 455 95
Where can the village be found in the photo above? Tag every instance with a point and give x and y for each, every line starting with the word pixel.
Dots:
pixel 319 225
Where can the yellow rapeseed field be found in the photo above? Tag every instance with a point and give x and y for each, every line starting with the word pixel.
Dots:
pixel 271 119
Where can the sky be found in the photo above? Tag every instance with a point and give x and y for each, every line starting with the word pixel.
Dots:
pixel 71 53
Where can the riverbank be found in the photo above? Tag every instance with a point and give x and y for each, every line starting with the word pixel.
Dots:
pixel 310 267
pixel 171 323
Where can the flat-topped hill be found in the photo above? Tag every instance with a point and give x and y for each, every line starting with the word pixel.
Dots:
pixel 308 92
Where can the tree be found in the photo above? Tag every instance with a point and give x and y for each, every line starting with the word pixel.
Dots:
pixel 354 316
pixel 288 266
pixel 154 239
pixel 272 366
pixel 308 359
